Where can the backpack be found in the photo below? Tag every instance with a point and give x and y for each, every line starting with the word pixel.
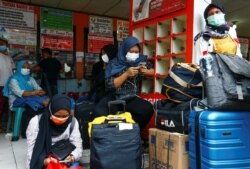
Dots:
pixel 229 86
pixel 183 83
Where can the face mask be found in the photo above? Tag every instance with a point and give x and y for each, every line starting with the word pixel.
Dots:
pixel 216 19
pixel 25 71
pixel 58 120
pixel 105 58
pixel 132 56
pixel 3 48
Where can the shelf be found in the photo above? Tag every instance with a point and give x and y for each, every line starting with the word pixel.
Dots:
pixel 149 32
pixel 163 28
pixel 147 86
pixel 163 47
pixel 158 84
pixel 138 33
pixel 179 24
pixel 177 59
pixel 149 49
pixel 162 66
pixel 178 44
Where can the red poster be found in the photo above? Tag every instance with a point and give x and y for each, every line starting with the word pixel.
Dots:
pixel 95 42
pixel 160 7
pixel 148 9
pixel 57 43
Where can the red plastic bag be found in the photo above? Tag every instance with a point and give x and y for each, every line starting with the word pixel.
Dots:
pixel 58 165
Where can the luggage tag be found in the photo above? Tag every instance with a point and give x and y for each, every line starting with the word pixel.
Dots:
pixel 125 126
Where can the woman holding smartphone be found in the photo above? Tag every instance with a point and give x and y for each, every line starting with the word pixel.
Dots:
pixel 122 78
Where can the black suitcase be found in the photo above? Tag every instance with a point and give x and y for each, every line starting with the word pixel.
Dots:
pixel 173 117
pixel 114 147
pixel 84 115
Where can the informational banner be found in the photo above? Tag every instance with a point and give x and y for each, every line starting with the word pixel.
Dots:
pixel 55 32
pixel 95 43
pixel 17 16
pixel 122 29
pixel 56 29
pixel 148 9
pixel 57 43
pixel 20 37
pixel 101 25
pixel 56 19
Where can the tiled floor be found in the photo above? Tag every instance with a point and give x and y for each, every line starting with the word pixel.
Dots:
pixel 12 154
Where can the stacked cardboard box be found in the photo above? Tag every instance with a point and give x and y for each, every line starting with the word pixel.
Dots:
pixel 167 150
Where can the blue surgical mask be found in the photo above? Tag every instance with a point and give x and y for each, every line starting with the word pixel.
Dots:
pixel 25 71
pixel 3 48
pixel 216 19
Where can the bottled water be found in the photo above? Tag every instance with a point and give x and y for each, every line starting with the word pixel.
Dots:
pixel 206 64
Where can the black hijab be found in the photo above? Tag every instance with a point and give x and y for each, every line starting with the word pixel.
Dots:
pixel 47 129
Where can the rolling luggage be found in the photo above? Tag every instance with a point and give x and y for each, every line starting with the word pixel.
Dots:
pixel 83 113
pixel 219 139
pixel 115 142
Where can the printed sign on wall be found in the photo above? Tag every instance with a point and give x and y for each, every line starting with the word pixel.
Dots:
pixel 95 43
pixel 17 16
pixel 100 25
pixel 122 29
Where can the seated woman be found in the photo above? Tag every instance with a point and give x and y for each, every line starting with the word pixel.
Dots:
pixel 108 53
pixel 122 78
pixel 53 125
pixel 22 90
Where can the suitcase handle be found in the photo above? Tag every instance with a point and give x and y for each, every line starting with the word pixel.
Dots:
pixel 116 120
pixel 117 102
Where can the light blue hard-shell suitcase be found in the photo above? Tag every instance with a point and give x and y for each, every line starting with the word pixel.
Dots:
pixel 219 139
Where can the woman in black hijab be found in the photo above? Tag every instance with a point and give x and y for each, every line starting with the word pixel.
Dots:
pixel 55 124
pixel 218 36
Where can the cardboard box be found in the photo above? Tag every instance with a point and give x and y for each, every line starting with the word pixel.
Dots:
pixel 167 150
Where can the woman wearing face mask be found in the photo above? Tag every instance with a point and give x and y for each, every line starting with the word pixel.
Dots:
pixel 122 77
pixel 22 90
pixel 55 124
pixel 218 36
pixel 108 53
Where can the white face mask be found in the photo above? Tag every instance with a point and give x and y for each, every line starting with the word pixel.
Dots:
pixel 216 19
pixel 25 71
pixel 105 58
pixel 132 56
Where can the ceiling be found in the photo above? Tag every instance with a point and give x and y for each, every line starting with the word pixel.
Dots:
pixel 236 10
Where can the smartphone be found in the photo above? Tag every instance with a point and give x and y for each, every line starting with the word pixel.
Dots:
pixel 141 64
pixel 64 161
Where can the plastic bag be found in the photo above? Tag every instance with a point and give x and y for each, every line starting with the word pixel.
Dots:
pixel 58 165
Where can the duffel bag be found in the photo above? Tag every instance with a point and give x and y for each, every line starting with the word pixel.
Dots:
pixel 173 117
pixel 229 86
pixel 183 83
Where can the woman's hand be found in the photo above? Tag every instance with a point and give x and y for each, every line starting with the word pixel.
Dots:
pixel 143 69
pixel 48 160
pixel 70 159
pixel 132 71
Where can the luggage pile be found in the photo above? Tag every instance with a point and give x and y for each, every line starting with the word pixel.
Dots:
pixel 168 141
